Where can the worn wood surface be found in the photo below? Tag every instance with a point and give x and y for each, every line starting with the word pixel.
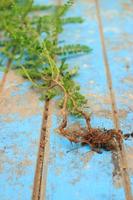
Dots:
pixel 79 174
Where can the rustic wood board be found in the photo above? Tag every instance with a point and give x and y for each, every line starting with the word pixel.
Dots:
pixel 79 174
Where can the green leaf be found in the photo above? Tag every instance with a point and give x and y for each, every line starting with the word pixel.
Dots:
pixel 41 7
pixel 72 49
pixel 72 20
pixel 74 71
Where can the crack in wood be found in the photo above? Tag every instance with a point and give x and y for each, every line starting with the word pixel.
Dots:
pixel 43 147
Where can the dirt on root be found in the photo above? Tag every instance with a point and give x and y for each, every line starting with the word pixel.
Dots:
pixel 96 138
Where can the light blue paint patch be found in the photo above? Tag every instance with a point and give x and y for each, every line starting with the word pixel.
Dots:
pixel 19 140
pixel 12 117
pixel 131 179
pixel 71 175
pixel 120 57
pixel 18 148
pixel 1 75
pixel 102 122
pixel 3 62
pixel 22 89
pixel 68 177
pixel 42 2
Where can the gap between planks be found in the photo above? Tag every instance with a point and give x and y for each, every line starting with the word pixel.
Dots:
pixel 121 153
pixel 39 188
pixel 40 179
pixel 46 155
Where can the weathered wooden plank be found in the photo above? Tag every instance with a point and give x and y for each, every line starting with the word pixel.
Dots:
pixel 81 174
pixel 20 122
pixel 118 34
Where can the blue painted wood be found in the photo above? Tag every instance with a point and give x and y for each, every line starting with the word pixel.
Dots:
pixel 20 122
pixel 119 37
pixel 79 174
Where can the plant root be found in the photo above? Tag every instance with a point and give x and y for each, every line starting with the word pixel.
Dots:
pixel 96 138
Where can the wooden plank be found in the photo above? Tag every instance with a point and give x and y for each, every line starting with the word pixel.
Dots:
pixel 20 122
pixel 122 160
pixel 82 174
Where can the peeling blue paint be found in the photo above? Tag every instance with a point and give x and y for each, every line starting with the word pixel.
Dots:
pixel 23 88
pixel 68 176
pixel 78 174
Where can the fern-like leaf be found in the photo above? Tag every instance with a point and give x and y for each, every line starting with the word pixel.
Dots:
pixel 72 49
pixel 69 20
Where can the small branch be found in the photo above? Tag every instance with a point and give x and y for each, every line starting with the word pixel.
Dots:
pixel 30 79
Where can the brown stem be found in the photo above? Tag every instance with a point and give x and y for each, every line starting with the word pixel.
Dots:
pixel 85 115
pixel 87 118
